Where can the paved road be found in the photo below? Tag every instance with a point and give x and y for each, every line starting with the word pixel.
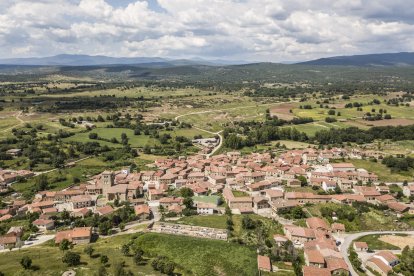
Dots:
pixel 349 238
pixel 39 240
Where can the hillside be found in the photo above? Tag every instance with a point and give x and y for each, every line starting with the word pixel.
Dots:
pixel 388 59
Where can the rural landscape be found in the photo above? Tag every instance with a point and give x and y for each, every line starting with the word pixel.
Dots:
pixel 207 160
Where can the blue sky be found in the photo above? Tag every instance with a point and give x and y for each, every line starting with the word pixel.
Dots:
pixel 250 30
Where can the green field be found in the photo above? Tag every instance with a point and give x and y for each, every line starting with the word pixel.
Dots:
pixel 190 255
pixel 219 221
pixel 384 174
pixel 375 244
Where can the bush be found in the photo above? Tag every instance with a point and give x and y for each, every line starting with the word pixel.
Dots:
pixel 71 258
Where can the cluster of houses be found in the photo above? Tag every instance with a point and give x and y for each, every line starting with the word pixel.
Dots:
pixel 381 262
pixel 9 176
pixel 254 183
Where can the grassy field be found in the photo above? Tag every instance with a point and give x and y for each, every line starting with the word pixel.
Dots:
pixel 384 173
pixel 201 256
pixel 372 220
pixel 375 244
pixel 190 255
pixel 60 179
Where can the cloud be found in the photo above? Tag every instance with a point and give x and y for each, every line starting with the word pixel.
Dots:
pixel 255 30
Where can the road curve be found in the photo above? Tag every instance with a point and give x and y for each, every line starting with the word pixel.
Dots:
pixel 351 237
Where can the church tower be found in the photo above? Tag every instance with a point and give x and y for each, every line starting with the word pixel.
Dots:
pixel 107 181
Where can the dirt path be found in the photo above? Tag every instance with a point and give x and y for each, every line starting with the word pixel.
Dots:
pixel 18 119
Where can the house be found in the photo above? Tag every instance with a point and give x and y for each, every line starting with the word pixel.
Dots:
pixel 361 246
pixel 317 224
pixel 315 271
pixel 44 224
pixel 408 190
pixel 155 194
pixel 170 201
pixel 8 241
pixel 378 266
pixel 387 257
pixel 14 152
pixel 105 210
pixel 263 263
pixel 398 207
pixel 328 185
pixel 314 258
pixel 205 208
pixel 337 266
pixel 299 235
pixel 81 201
pixel 78 235
pixel 341 167
pixel 142 211
pixel 280 239
pixel 338 228
pixel 260 202
pixel 295 183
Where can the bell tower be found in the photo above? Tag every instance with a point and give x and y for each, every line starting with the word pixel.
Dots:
pixel 107 181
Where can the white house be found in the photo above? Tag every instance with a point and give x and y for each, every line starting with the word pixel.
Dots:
pixel 205 208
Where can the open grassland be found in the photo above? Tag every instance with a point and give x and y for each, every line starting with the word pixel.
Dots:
pixel 371 220
pixel 190 255
pixel 60 179
pixel 384 174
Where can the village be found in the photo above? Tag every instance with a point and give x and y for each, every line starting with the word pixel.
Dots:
pixel 257 183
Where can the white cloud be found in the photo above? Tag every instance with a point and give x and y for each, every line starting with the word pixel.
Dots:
pixel 267 30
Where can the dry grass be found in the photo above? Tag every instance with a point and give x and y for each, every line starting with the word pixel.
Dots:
pixel 399 241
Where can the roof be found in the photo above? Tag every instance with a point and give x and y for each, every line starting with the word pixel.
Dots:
pixel 360 244
pixel 105 210
pixel 342 165
pixel 317 223
pixel 314 256
pixel 142 209
pixel 41 222
pixel 79 232
pixel 335 264
pixel 315 271
pixel 263 263
pixel 380 264
pixel 387 255
pixel 397 206
pixel 8 239
pixel 300 231
pixel 338 226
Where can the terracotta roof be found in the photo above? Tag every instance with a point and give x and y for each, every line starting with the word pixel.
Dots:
pixel 380 264
pixel 263 263
pixel 314 256
pixel 361 244
pixel 317 223
pixel 142 209
pixel 105 210
pixel 315 271
pixel 388 256
pixel 335 264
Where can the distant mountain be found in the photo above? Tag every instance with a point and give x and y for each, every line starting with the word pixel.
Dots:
pixel 86 60
pixel 391 59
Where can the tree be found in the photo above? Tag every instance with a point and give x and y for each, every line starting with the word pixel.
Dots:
pixel 41 182
pixel 125 249
pixel 26 262
pixel 186 192
pixel 104 259
pixel 71 258
pixel 65 245
pixel 138 258
pixel 102 271
pixel 188 202
pixel 89 250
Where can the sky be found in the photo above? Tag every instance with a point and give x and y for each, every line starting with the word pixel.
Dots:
pixel 248 30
